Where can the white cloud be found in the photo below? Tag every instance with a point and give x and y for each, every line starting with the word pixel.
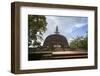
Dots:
pixel 80 25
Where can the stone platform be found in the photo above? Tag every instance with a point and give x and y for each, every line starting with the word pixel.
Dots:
pixel 49 55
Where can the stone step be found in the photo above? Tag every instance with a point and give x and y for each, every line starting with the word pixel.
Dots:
pixel 69 57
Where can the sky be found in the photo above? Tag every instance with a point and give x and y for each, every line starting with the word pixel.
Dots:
pixel 69 26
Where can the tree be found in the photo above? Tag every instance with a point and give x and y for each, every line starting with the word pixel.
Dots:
pixel 36 27
pixel 80 42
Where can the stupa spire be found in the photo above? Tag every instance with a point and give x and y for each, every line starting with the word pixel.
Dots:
pixel 57 31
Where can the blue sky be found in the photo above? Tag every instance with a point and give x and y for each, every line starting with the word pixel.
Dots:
pixel 69 26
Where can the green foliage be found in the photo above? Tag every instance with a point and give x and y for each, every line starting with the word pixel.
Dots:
pixel 36 27
pixel 79 43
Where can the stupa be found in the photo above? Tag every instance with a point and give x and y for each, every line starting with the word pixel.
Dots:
pixel 56 40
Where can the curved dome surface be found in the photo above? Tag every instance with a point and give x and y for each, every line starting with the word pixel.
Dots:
pixel 56 39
